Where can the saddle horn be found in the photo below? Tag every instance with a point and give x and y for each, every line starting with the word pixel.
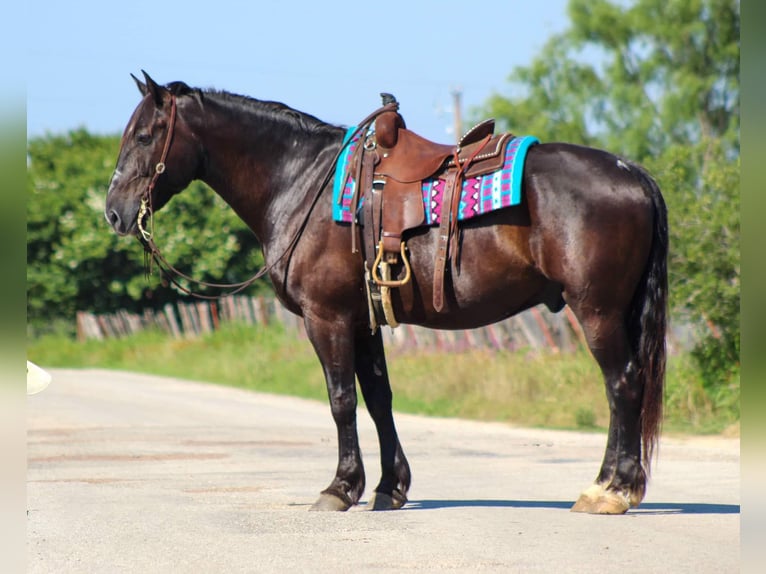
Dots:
pixel 387 124
pixel 388 98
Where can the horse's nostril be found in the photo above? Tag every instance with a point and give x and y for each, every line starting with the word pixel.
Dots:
pixel 113 218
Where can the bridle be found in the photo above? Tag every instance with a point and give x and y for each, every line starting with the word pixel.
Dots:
pixel 159 169
pixel 146 237
pixel 152 252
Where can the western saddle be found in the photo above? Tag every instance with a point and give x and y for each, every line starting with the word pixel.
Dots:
pixel 389 167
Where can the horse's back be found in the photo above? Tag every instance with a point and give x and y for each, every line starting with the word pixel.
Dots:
pixel 573 175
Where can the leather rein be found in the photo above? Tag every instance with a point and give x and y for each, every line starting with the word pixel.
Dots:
pixel 152 252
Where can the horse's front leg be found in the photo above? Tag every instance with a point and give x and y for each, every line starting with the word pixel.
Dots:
pixel 334 344
pixel 370 361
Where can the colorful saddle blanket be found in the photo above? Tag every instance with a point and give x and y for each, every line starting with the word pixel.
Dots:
pixel 480 194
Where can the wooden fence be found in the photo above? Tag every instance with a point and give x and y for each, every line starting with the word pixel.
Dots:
pixel 536 328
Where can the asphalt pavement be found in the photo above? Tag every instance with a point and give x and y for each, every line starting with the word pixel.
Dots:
pixel 136 473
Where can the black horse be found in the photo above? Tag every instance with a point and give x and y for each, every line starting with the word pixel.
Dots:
pixel 591 232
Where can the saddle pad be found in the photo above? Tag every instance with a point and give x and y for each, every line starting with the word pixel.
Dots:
pixel 480 194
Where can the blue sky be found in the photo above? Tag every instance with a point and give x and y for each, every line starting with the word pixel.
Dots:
pixel 330 59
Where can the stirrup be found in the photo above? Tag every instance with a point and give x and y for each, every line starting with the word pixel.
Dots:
pixel 391 283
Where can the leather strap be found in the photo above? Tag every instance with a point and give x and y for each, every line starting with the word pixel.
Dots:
pixel 355 204
pixel 448 227
pixel 370 232
pixel 440 264
pixel 364 167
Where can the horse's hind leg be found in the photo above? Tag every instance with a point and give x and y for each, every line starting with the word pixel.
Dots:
pixel 370 365
pixel 621 482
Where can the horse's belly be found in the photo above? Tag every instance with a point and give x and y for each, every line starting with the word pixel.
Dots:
pixel 494 279
pixel 471 306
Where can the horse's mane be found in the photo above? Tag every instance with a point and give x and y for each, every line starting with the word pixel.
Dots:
pixel 273 110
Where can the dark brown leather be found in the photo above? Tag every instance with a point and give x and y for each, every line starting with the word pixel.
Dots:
pixel 387 126
pixel 477 133
pixel 402 209
pixel 371 207
pixel 402 160
pixel 358 164
pixel 490 158
pixel 413 158
pixel 440 263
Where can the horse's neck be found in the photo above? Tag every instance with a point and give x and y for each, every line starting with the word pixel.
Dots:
pixel 266 171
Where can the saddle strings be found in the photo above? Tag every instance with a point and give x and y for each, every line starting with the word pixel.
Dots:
pixel 452 214
pixel 172 274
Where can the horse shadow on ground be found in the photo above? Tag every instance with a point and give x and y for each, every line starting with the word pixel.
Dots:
pixel 650 508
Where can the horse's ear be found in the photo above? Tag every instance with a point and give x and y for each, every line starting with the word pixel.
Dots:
pixel 154 89
pixel 141 86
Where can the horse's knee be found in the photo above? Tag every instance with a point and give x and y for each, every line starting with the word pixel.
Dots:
pixel 343 406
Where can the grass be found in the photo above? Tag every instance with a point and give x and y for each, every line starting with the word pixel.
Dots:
pixel 268 360
pixel 523 388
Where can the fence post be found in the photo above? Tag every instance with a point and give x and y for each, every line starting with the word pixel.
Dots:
pixel 575 326
pixel 535 312
pixel 534 328
pixel 203 313
pixel 170 314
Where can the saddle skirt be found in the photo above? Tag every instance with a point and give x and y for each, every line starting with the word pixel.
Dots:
pixel 480 193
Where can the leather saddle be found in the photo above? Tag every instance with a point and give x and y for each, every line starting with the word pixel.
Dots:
pixel 391 166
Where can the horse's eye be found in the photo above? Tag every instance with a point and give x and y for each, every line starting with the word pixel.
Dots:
pixel 144 138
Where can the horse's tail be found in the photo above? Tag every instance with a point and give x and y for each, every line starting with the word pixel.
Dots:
pixel 648 322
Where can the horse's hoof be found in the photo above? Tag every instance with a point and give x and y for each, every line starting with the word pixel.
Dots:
pixel 381 501
pixel 598 500
pixel 330 503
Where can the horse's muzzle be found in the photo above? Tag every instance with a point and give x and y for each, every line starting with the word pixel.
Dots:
pixel 122 220
pixel 114 219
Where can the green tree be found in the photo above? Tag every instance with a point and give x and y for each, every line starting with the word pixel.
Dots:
pixel 656 81
pixel 76 262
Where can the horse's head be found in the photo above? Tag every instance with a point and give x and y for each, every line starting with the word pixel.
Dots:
pixel 159 156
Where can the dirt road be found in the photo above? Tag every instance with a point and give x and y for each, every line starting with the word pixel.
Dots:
pixel 134 473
